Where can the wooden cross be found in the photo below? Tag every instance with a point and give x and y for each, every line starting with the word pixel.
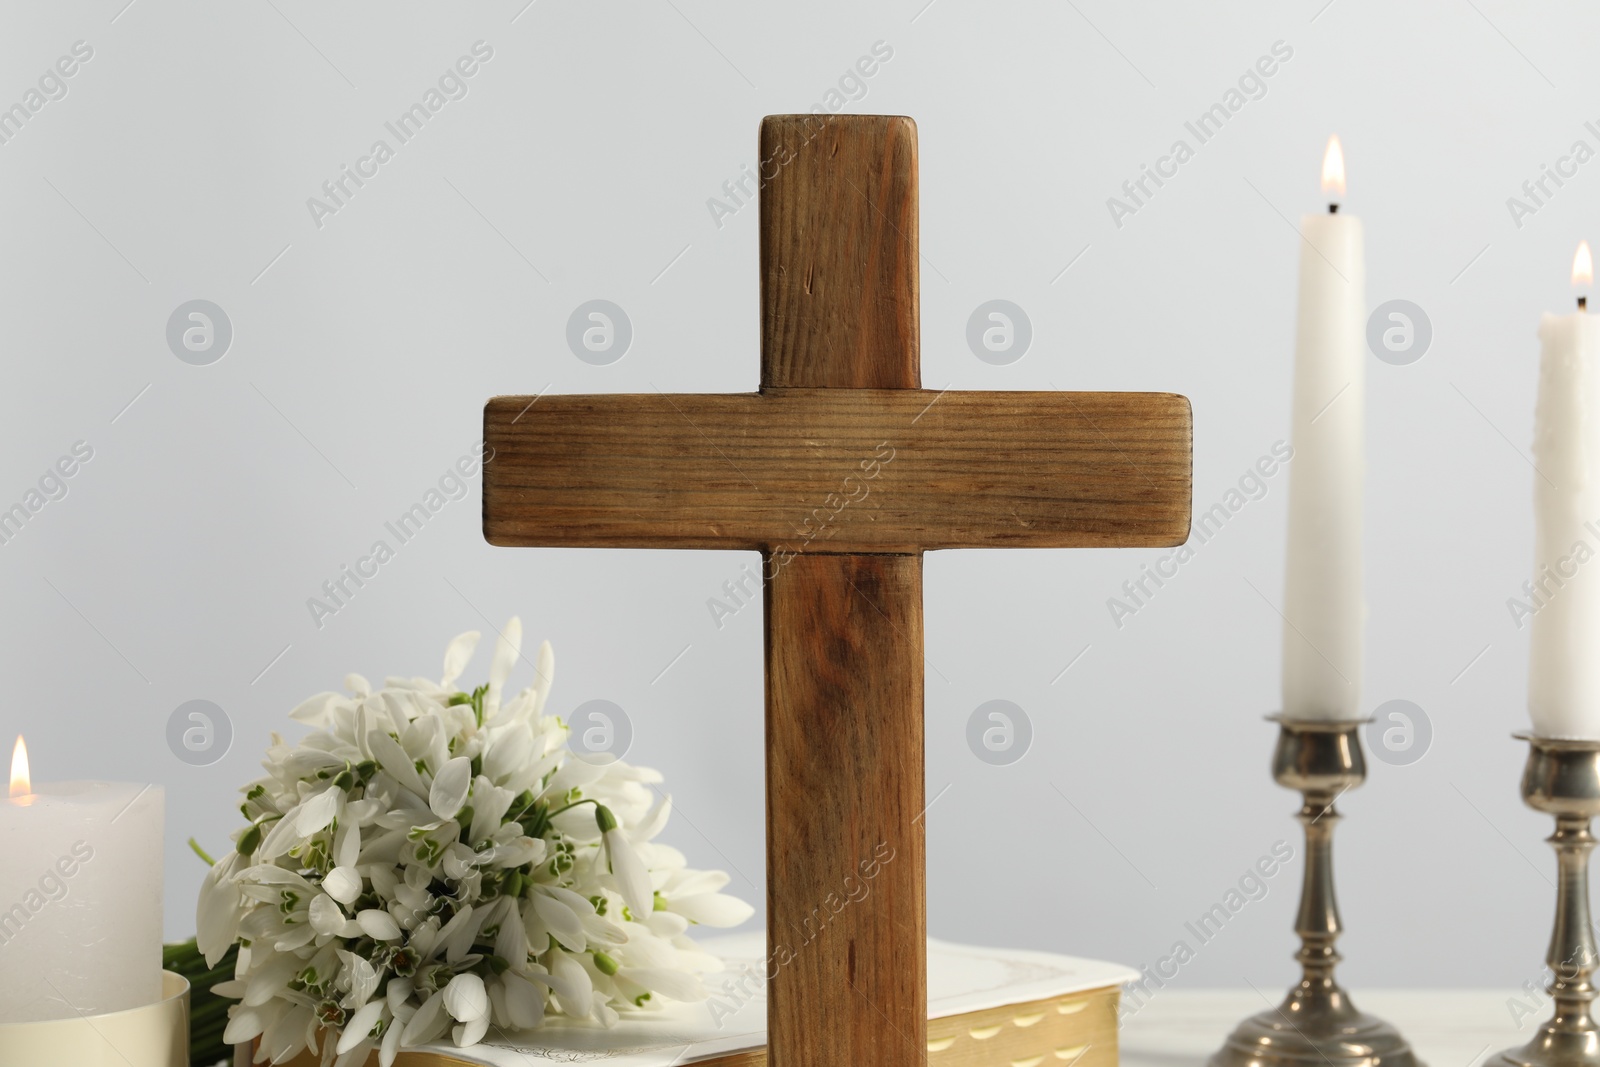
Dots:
pixel 841 471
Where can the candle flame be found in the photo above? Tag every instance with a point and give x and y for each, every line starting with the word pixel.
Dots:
pixel 1582 266
pixel 21 784
pixel 1333 170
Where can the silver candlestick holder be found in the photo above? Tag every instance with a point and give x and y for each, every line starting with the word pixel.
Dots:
pixel 1316 1025
pixel 1562 778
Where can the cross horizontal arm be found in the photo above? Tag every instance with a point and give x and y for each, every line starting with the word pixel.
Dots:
pixel 839 470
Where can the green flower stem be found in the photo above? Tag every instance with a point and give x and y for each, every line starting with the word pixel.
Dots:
pixel 574 804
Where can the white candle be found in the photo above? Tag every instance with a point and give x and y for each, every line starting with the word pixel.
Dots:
pixel 80 897
pixel 1564 657
pixel 1323 607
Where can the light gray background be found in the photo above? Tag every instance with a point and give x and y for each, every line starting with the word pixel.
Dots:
pixel 578 167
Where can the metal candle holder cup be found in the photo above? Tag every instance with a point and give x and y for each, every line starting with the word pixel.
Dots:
pixel 1316 1026
pixel 1562 778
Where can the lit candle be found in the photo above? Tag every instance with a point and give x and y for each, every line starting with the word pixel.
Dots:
pixel 1564 657
pixel 1323 607
pixel 80 897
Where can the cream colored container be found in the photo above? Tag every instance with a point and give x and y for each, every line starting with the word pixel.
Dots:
pixel 155 1035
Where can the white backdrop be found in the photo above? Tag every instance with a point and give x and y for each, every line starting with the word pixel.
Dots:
pixel 576 163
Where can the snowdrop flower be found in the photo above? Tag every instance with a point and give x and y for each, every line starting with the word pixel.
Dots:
pixel 632 879
pixel 429 862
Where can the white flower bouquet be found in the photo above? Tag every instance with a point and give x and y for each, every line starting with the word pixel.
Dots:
pixel 430 861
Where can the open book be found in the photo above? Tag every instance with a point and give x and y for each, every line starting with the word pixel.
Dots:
pixel 985 1006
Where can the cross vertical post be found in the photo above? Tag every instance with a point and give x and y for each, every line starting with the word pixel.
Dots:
pixel 844 678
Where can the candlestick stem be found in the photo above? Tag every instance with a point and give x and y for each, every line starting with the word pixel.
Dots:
pixel 1562 778
pixel 1317 1024
pixel 1318 921
pixel 1572 949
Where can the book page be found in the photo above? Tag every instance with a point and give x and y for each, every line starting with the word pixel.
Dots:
pixel 961 979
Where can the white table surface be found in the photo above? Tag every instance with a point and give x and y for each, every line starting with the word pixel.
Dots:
pixel 1446 1028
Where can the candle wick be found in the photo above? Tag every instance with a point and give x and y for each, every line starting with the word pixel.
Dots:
pixel 1333 209
pixel 1583 303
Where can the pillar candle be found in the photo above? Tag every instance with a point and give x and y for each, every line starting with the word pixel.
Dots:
pixel 80 898
pixel 1323 606
pixel 1564 657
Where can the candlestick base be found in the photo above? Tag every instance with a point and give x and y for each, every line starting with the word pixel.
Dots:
pixel 1550 1049
pixel 1316 1025
pixel 1562 778
pixel 1315 1028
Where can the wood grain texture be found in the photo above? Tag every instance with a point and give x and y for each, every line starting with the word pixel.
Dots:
pixel 836 470
pixel 839 301
pixel 847 926
pixel 839 314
